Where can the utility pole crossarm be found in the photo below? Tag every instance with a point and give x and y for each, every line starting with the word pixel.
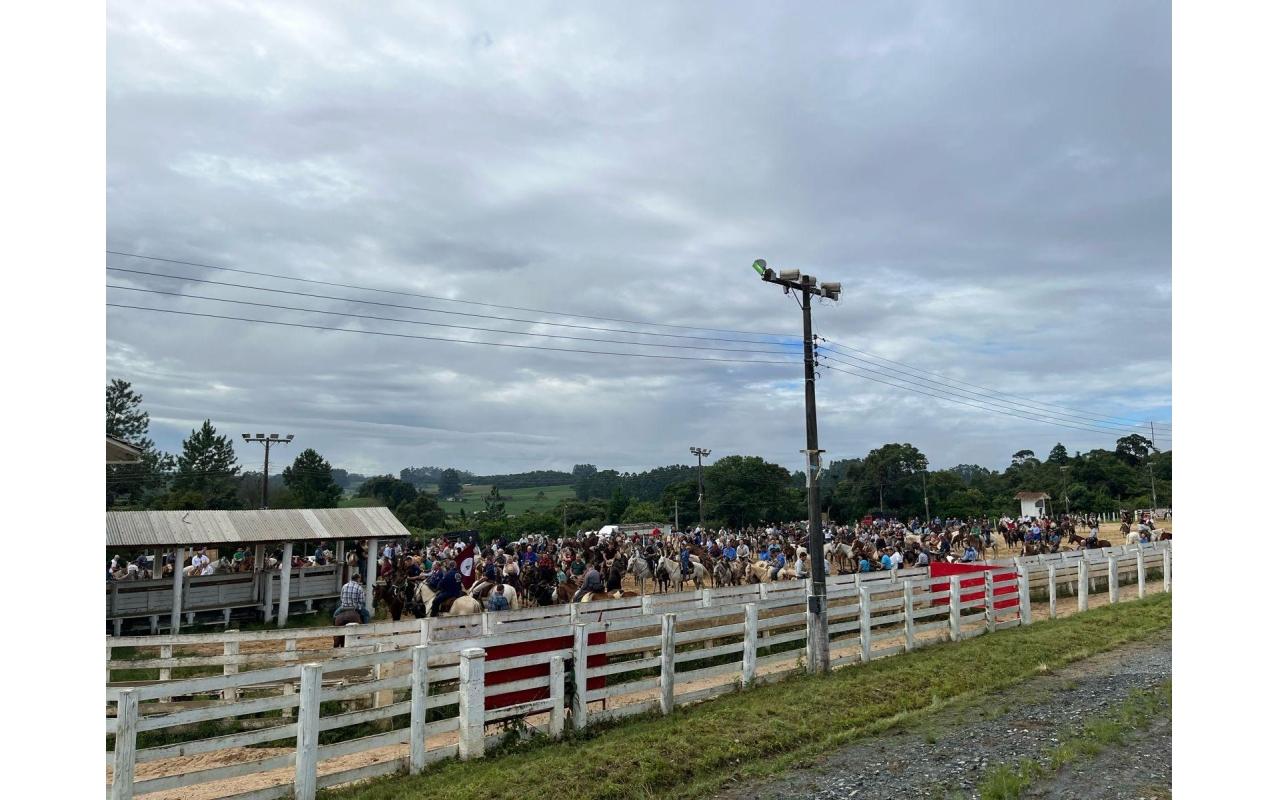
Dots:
pixel 266 440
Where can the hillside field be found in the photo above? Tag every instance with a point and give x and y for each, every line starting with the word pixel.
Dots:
pixel 517 500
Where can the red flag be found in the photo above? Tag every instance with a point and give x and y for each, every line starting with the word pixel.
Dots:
pixel 466 565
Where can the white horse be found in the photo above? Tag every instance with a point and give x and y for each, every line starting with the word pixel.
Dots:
pixel 638 567
pixel 484 589
pixel 698 571
pixel 463 605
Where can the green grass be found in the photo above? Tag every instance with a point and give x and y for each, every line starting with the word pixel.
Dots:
pixel 1139 710
pixel 517 501
pixel 761 731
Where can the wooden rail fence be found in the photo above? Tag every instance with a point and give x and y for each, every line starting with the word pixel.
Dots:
pixel 403 695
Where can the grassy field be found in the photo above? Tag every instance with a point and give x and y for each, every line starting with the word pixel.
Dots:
pixel 765 730
pixel 517 500
pixel 539 498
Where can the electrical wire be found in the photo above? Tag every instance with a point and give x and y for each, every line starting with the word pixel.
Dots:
pixel 437 324
pixel 1096 416
pixel 450 299
pixel 973 405
pixel 1057 416
pixel 446 339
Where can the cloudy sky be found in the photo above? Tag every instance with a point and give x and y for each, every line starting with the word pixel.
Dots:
pixel 990 183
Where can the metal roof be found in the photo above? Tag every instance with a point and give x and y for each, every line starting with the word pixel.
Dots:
pixel 1031 496
pixel 121 452
pixel 159 528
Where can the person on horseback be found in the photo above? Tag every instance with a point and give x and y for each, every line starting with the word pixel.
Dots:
pixel 779 562
pixel 685 566
pixel 351 598
pixel 498 599
pixel 448 588
pixel 591 584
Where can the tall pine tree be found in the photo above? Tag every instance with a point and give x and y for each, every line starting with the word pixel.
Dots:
pixel 132 484
pixel 207 470
pixel 310 481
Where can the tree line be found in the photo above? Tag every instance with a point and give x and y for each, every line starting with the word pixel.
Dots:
pixel 739 490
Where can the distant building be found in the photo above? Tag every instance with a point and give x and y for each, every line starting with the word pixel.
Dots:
pixel 121 452
pixel 1032 503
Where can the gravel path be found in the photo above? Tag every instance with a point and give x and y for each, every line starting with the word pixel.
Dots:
pixel 943 755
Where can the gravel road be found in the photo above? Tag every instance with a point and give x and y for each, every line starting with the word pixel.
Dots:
pixel 943 755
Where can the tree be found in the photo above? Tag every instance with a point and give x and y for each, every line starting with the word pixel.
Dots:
pixel 1134 448
pixel 745 490
pixel 207 467
pixel 310 480
pixel 644 511
pixel 132 483
pixel 450 484
pixel 494 508
pixel 392 491
pixel 1022 457
pixel 894 470
pixel 618 503
pixel 421 512
pixel 1058 456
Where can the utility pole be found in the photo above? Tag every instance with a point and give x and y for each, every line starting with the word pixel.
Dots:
pixel 699 452
pixel 677 515
pixel 266 440
pixel 818 647
pixel 1151 471
pixel 924 476
pixel 1065 496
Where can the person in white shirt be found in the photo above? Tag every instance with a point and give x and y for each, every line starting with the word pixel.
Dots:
pixel 388 553
pixel 896 559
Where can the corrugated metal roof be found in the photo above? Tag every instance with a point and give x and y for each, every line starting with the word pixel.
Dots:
pixel 159 528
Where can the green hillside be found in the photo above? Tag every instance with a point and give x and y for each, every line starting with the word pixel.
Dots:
pixel 537 498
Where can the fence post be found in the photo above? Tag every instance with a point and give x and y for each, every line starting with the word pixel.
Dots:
pixel 308 743
pixel 1053 591
pixel 126 745
pixel 955 608
pixel 418 711
pixel 1082 584
pixel 706 598
pixel 471 704
pixel 231 649
pixel 668 663
pixel 580 676
pixel 383 697
pixel 750 632
pixel 555 727
pixel 763 592
pixel 1024 595
pixel 646 604
pixel 1142 573
pixel 908 614
pixel 424 630
pixel 1166 563
pixel 486 624
pixel 988 594
pixel 864 622
pixel 1113 579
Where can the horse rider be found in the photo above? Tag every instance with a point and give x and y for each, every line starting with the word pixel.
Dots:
pixel 591 583
pixel 802 566
pixel 497 599
pixel 685 566
pixel 352 598
pixel 779 562
pixel 448 588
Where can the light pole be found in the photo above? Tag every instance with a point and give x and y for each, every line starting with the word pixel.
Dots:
pixel 266 440
pixel 1065 496
pixel 817 645
pixel 699 452
pixel 924 477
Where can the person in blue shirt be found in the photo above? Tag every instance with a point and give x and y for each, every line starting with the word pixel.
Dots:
pixel 731 552
pixel 886 562
pixel 779 562
pixel 864 565
pixel 685 566
pixel 970 554
pixel 450 586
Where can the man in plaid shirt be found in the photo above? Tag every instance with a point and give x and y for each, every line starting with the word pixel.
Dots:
pixel 352 596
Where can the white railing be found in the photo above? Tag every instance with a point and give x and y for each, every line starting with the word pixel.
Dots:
pixel 628 657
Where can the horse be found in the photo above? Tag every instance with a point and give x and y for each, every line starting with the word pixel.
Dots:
pixel 722 575
pixel 346 617
pixel 483 589
pixel 1087 544
pixel 638 567
pixel 393 597
pixel 696 569
pixel 840 555
pixel 458 607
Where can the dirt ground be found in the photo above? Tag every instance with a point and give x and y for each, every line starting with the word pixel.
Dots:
pixel 944 755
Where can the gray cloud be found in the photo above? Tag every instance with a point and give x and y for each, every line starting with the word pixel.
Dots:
pixel 990 183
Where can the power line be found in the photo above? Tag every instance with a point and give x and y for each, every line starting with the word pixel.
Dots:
pixel 445 339
pixel 435 324
pixel 445 299
pixel 973 405
pixel 1096 416
pixel 1006 405
pixel 429 310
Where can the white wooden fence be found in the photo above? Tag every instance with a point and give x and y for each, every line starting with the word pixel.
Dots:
pixel 660 652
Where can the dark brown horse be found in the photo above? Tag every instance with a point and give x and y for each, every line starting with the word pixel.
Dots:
pixel 1087 544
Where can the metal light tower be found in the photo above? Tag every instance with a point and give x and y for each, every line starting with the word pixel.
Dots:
pixel 266 440
pixel 817 646
pixel 699 452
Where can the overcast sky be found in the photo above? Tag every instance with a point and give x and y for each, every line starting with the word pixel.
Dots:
pixel 990 182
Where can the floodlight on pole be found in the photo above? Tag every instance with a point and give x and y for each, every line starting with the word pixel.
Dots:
pixel 266 441
pixel 700 453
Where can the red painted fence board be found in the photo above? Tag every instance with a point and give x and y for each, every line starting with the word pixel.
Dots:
pixel 523 673
pixel 946 570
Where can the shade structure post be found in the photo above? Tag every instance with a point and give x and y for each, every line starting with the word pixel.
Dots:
pixel 371 575
pixel 175 618
pixel 286 571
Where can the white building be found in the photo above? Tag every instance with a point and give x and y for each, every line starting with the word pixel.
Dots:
pixel 1033 503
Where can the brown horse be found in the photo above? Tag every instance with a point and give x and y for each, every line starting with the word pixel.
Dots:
pixel 1087 544
pixel 345 618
